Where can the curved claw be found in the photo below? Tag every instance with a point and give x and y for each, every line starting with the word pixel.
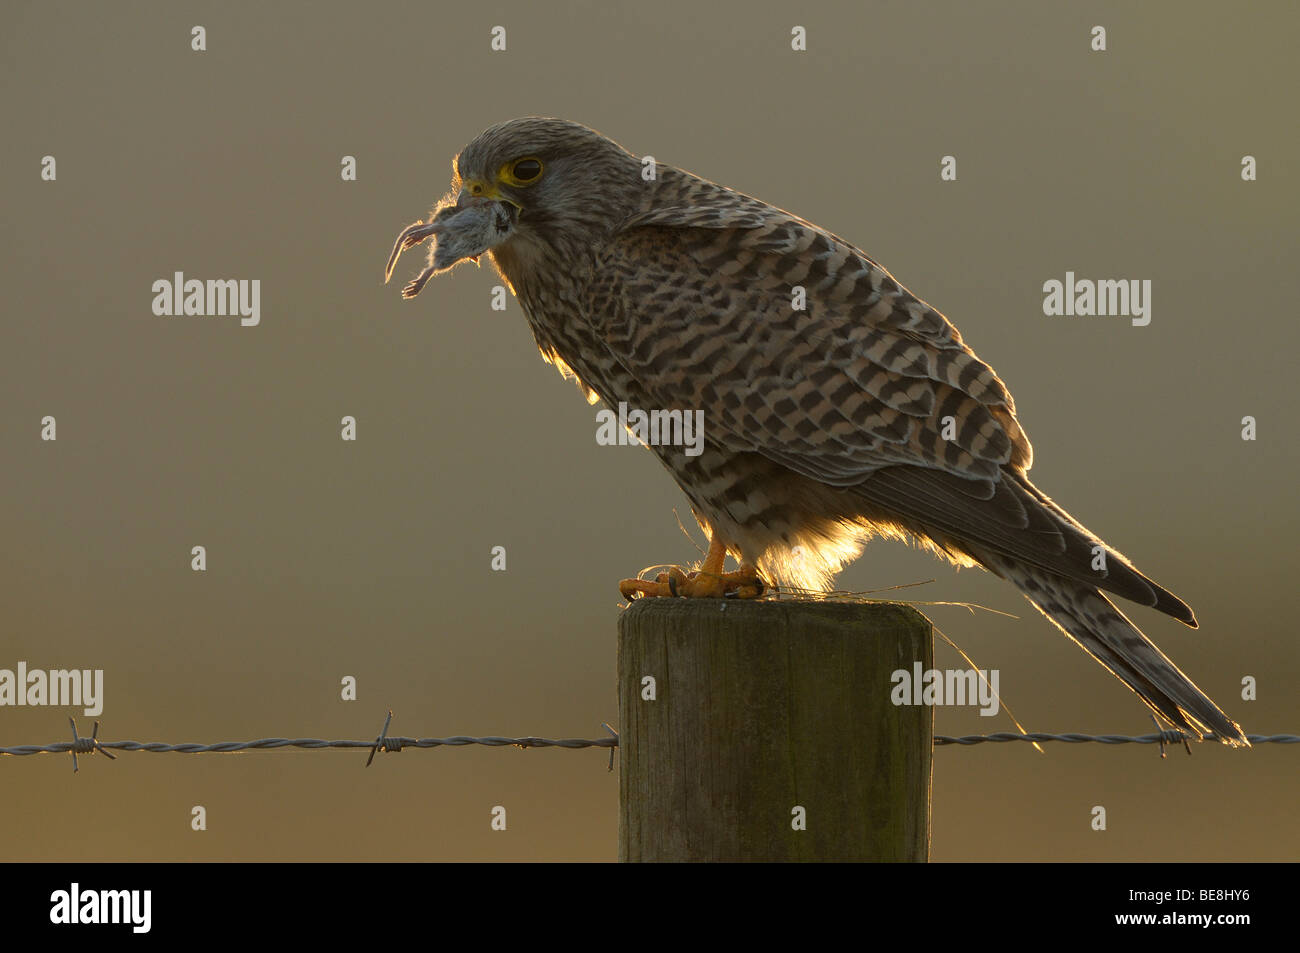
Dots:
pixel 744 583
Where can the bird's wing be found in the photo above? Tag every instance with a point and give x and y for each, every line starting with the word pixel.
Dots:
pixel 866 387
pixel 798 346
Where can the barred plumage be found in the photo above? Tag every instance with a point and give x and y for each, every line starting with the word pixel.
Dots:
pixel 863 413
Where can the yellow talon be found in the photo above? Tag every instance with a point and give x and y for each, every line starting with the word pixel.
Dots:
pixel 708 582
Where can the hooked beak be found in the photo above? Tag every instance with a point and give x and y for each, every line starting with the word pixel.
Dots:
pixel 465 229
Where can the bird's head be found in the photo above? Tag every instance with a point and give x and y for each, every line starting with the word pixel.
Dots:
pixel 532 192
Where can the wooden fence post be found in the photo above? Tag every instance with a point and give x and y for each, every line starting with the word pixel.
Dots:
pixel 764 731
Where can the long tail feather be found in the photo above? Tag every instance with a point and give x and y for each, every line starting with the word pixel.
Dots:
pixel 1100 629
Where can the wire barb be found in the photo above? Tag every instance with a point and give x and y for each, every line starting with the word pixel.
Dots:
pixel 381 743
pixel 86 745
pixel 613 746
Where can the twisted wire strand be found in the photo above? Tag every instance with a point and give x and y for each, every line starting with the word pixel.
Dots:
pixel 1163 737
pixel 384 742
pixel 387 744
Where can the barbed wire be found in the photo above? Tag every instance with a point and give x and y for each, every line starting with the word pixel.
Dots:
pixel 385 742
pixel 1163 738
pixel 79 745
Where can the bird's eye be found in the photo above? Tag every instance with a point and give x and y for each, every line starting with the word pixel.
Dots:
pixel 523 171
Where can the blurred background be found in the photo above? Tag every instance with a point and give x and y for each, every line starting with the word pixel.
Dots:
pixel 372 559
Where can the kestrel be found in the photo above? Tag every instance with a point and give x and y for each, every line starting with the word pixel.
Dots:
pixel 837 405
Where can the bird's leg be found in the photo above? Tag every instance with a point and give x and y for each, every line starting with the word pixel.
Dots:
pixel 708 582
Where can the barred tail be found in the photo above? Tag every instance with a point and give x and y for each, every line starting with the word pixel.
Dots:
pixel 1105 633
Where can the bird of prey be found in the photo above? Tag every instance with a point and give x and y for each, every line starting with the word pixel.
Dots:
pixel 837 405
